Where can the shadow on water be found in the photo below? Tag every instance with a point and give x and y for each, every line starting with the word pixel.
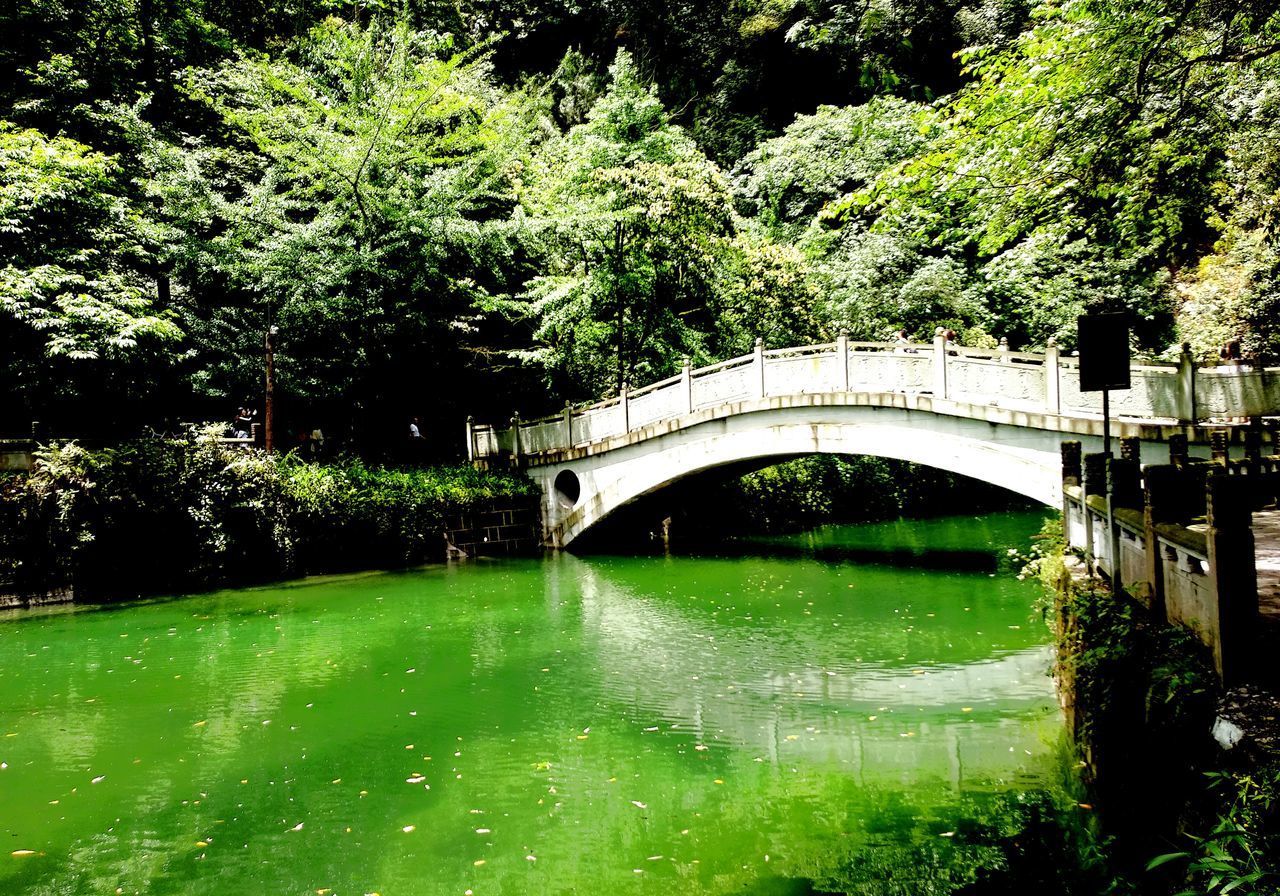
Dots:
pixel 954 559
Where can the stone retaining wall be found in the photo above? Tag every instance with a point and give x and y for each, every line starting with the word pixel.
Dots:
pixel 504 527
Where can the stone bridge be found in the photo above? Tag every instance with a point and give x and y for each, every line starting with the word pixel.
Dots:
pixel 994 415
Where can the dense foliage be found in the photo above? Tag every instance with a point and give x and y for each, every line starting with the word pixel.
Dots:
pixel 448 208
pixel 175 513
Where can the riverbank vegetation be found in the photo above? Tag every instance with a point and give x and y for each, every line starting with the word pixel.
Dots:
pixel 1180 813
pixel 171 514
pixel 472 209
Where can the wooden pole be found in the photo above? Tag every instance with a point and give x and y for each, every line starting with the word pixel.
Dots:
pixel 269 410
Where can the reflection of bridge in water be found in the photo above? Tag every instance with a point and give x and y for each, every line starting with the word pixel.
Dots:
pixel 997 416
pixel 760 690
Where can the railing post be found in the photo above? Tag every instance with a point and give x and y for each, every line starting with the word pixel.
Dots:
pixel 759 362
pixel 1072 474
pixel 568 424
pixel 1186 385
pixel 1220 446
pixel 515 439
pixel 1052 383
pixel 842 353
pixel 1004 349
pixel 1157 483
pixel 940 363
pixel 686 382
pixel 1233 568
pixel 624 400
pixel 471 439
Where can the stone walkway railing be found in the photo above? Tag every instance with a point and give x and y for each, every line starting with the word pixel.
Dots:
pixel 1046 383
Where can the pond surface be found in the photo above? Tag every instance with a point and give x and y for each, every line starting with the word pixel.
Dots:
pixel 859 709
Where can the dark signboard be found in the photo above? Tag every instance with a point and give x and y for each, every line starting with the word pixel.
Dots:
pixel 1103 343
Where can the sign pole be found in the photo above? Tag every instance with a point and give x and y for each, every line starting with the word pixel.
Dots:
pixel 1103 341
pixel 1106 422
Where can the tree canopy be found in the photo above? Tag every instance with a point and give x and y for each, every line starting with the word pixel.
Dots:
pixel 467 208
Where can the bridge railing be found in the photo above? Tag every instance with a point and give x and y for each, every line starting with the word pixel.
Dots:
pixel 1046 383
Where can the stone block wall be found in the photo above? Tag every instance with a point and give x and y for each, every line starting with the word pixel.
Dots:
pixel 502 528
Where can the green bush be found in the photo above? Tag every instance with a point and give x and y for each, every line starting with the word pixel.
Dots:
pixel 176 513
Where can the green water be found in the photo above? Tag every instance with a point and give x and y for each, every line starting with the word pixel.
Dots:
pixel 779 719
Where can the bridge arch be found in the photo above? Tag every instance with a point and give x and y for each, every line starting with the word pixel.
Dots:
pixel 1022 459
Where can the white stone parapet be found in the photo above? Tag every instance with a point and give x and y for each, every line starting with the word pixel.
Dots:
pixel 1049 383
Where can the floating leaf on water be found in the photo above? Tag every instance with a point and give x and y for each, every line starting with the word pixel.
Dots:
pixel 482 831
pixel 531 858
pixel 22 853
pixel 202 843
pixel 947 834
pixel 201 723
pixel 654 859
pixel 719 780
pixel 701 747
pixel 99 779
pixel 408 746
pixel 478 862
pixel 298 826
pixel 638 804
pixel 416 779
pixel 409 828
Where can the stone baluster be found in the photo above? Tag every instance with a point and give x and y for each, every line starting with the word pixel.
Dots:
pixel 515 439
pixel 686 383
pixel 624 402
pixel 1126 474
pixel 1161 486
pixel 1052 384
pixel 940 363
pixel 1253 446
pixel 471 439
pixel 1220 445
pixel 1186 385
pixel 1232 566
pixel 759 365
pixel 1095 485
pixel 842 359
pixel 1004 349
pixel 1072 473
pixel 568 424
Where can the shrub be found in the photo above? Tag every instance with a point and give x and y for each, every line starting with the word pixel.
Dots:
pixel 176 513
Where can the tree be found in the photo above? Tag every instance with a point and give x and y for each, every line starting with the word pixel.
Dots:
pixel 629 219
pixel 76 287
pixel 369 221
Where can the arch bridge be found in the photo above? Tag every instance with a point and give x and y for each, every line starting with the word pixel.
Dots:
pixel 994 415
